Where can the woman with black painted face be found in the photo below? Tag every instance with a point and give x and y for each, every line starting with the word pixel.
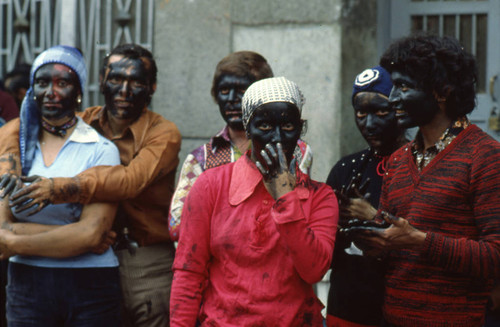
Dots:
pixel 61 267
pixel 256 233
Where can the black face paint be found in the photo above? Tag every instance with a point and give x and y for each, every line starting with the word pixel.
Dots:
pixel 272 123
pixel 230 91
pixel 376 121
pixel 414 106
pixel 126 87
pixel 56 88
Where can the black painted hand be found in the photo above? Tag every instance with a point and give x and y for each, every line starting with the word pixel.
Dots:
pixel 279 179
pixel 8 183
pixel 33 197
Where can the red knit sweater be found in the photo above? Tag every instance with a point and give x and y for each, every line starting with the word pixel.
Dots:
pixel 455 199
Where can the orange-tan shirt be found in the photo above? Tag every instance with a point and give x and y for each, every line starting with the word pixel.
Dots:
pixel 144 183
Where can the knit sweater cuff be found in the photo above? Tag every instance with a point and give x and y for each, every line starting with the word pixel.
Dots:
pixel 433 246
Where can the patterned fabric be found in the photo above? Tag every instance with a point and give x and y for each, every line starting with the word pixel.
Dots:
pixel 424 156
pixel 218 158
pixel 455 200
pixel 274 89
pixel 218 151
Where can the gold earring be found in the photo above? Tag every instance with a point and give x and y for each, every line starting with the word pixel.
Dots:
pixel 79 99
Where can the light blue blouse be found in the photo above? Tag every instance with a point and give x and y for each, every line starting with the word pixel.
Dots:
pixel 85 148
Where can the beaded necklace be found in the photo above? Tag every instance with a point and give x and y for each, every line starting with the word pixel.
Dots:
pixel 59 130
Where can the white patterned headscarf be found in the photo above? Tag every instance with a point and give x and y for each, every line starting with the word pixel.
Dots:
pixel 274 89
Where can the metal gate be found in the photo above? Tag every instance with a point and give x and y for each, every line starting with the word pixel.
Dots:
pixel 27 27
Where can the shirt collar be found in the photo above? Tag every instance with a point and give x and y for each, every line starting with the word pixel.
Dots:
pixel 83 133
pixel 136 128
pixel 246 176
pixel 424 156
pixel 220 139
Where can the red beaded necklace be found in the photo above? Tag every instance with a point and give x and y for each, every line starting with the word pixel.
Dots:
pixel 59 130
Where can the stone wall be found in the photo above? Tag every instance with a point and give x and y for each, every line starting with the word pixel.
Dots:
pixel 319 44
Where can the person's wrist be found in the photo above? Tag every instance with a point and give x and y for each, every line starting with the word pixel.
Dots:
pixel 418 238
pixel 8 226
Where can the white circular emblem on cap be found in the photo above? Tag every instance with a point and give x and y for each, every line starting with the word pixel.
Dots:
pixel 366 77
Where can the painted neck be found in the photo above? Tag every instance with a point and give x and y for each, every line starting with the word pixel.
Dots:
pixel 239 139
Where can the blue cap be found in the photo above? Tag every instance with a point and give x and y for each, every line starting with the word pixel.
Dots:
pixel 375 79
pixel 62 54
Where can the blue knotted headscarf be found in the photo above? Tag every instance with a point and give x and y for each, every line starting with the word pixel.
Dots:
pixel 29 115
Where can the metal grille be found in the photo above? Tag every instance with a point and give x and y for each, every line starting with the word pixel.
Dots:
pixel 27 27
pixel 102 25
pixel 470 29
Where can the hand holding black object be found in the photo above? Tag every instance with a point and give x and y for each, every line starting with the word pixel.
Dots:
pixel 354 226
pixel 399 235
pixel 279 177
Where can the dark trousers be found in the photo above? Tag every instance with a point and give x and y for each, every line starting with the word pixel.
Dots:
pixel 3 284
pixel 66 297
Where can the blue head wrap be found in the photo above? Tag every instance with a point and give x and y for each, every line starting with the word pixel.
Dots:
pixel 375 79
pixel 29 116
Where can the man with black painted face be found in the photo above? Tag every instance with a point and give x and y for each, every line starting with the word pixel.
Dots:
pixel 233 75
pixel 257 233
pixel 357 278
pixel 149 146
pixel 441 192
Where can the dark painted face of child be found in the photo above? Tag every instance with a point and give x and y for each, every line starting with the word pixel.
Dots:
pixel 230 90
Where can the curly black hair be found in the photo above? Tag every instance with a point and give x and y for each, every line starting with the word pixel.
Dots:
pixel 242 64
pixel 440 65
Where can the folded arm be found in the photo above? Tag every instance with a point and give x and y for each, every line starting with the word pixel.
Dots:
pixel 60 241
pixel 157 158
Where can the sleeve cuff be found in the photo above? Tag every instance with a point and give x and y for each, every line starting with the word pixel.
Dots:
pixel 433 246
